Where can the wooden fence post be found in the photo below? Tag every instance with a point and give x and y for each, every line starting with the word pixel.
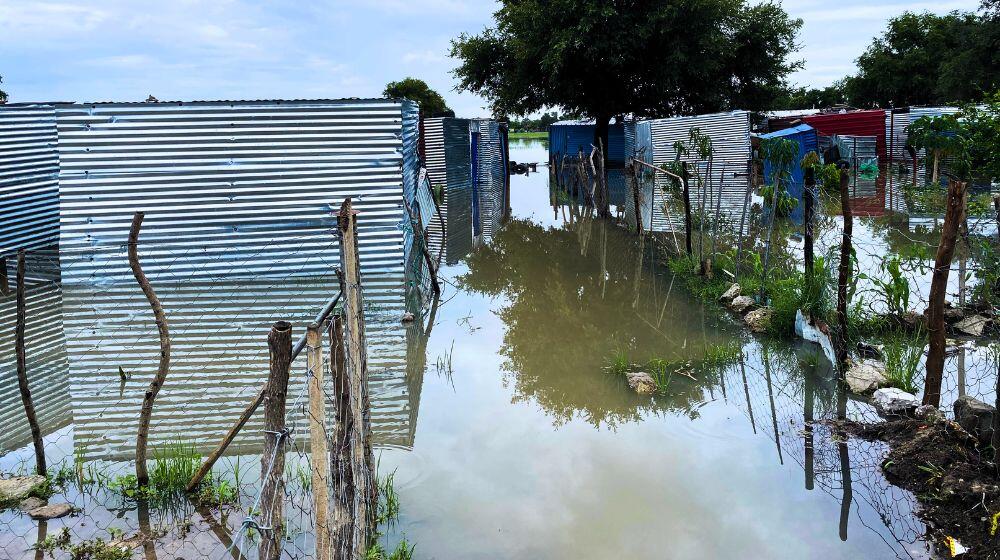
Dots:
pixel 22 369
pixel 687 207
pixel 272 467
pixel 146 412
pixel 810 184
pixel 357 368
pixel 317 441
pixel 939 287
pixel 340 454
pixel 844 270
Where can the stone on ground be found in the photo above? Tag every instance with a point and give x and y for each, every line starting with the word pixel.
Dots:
pixel 31 503
pixel 973 325
pixel 17 488
pixel 891 401
pixel 641 382
pixel 742 304
pixel 927 412
pixel 51 511
pixel 732 293
pixel 758 320
pixel 865 377
pixel 975 416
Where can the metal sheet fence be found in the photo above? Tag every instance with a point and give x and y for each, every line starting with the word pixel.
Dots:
pixel 449 168
pixel 29 189
pixel 490 176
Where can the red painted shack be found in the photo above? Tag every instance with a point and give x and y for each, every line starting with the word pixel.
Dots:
pixel 854 123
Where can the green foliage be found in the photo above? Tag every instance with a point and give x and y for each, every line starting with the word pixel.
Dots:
pixel 692 57
pixel 814 98
pixel 902 360
pixel 431 102
pixel 388 500
pixel 781 154
pixel 540 124
pixel 829 176
pixel 896 289
pixel 927 59
pixel 96 549
pixel 941 136
pixel 785 204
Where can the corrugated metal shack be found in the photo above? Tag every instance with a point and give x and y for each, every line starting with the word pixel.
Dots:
pixel 805 137
pixel 852 123
pixel 239 231
pixel 466 163
pixel 730 135
pixel 570 137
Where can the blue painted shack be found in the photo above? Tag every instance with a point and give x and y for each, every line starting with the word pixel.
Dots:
pixel 572 137
pixel 805 136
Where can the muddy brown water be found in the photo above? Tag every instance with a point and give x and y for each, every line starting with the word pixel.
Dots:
pixel 509 439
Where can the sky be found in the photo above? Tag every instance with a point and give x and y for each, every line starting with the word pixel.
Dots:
pixel 125 50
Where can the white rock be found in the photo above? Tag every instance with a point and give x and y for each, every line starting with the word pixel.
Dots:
pixel 972 325
pixel 742 304
pixel 17 488
pixel 891 401
pixel 641 382
pixel 865 377
pixel 732 293
pixel 758 320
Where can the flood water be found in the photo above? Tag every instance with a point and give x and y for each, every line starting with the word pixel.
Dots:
pixel 508 437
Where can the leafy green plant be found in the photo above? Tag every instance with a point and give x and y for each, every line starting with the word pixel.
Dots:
pixel 785 202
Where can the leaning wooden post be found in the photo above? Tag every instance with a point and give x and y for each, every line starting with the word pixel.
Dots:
pixel 317 441
pixel 810 184
pixel 272 465
pixel 146 412
pixel 844 271
pixel 687 207
pixel 939 287
pixel 22 369
pixel 357 367
pixel 631 173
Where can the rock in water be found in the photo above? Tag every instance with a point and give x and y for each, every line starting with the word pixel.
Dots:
pixel 976 417
pixel 17 488
pixel 865 377
pixel 742 304
pixel 641 382
pixel 894 402
pixel 758 320
pixel 972 326
pixel 52 511
pixel 31 503
pixel 732 293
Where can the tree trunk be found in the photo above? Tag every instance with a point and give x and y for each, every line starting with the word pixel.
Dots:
pixel 937 160
pixel 939 287
pixel 601 131
pixel 272 466
pixel 22 368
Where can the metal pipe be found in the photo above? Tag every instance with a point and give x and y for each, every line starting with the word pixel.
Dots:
pixel 319 320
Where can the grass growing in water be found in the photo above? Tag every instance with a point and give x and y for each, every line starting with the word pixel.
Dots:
pixel 96 549
pixel 902 361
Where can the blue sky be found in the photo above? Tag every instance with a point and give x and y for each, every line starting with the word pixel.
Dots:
pixel 121 50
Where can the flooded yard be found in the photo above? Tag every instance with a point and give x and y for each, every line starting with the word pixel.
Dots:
pixel 497 415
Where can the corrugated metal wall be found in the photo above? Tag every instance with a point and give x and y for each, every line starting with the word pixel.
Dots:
pixel 572 137
pixel 29 189
pixel 449 168
pixel 730 134
pixel 490 176
pixel 46 362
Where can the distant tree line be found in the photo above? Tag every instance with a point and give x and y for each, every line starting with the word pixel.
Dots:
pixel 920 59
pixel 540 124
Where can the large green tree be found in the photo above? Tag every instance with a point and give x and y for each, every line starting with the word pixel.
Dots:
pixel 608 58
pixel 925 59
pixel 813 98
pixel 431 102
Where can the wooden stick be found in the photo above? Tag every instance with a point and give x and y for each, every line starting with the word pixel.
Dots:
pixel 810 184
pixel 418 233
pixel 22 369
pixel 843 271
pixel 272 468
pixel 687 208
pixel 317 441
pixel 341 471
pixel 141 474
pixel 4 282
pixel 939 287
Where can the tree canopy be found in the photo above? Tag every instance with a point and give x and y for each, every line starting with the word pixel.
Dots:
pixel 647 58
pixel 431 102
pixel 928 59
